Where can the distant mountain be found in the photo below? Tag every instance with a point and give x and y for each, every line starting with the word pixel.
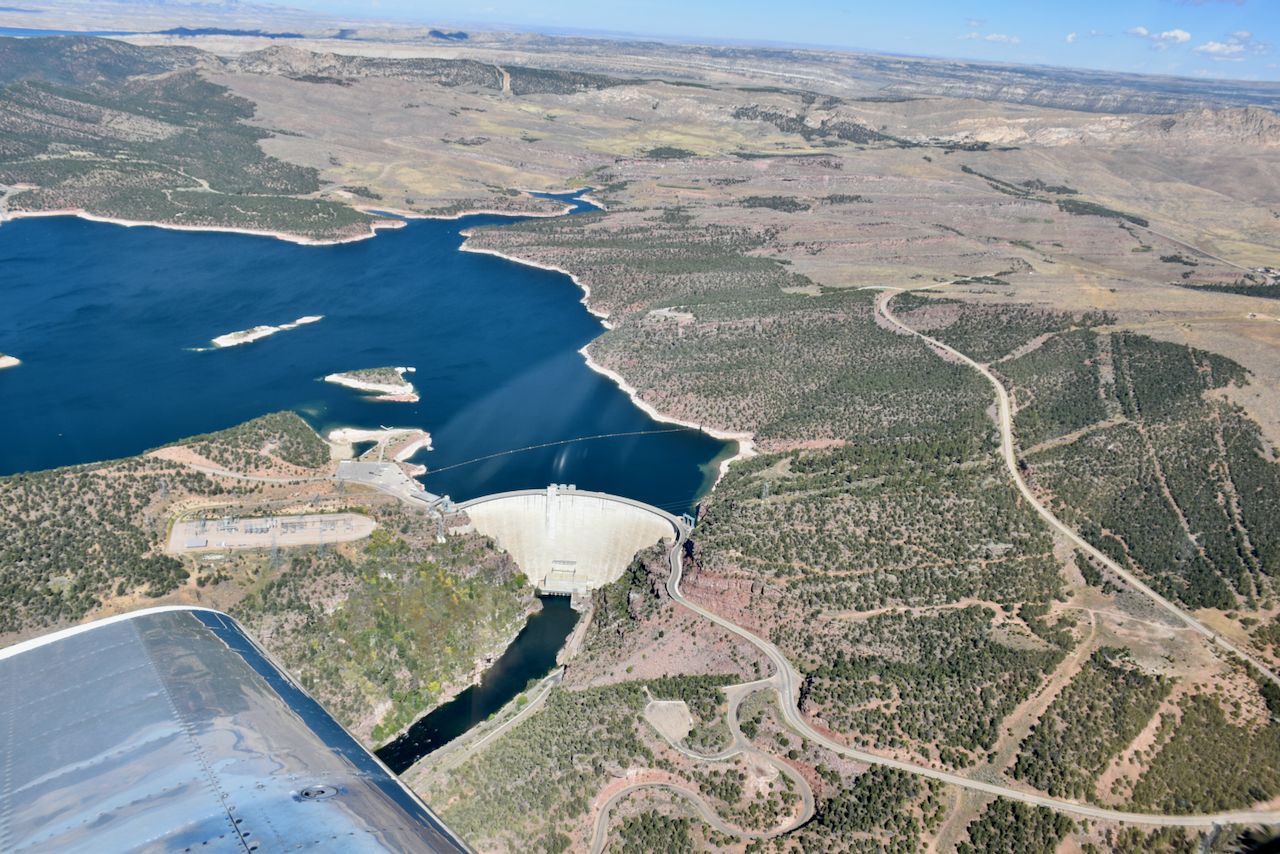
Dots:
pixel 458 36
pixel 78 60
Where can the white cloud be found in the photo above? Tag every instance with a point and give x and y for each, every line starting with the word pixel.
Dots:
pixel 1219 48
pixel 1162 40
pixel 1071 38
pixel 973 23
pixel 998 38
pixel 1233 49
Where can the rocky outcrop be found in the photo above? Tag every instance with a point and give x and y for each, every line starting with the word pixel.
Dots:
pixel 1250 127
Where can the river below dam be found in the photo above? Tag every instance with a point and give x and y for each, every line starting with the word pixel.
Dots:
pixel 530 656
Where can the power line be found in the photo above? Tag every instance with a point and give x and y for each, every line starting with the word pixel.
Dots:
pixel 552 445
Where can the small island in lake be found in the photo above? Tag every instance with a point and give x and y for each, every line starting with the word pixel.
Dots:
pixel 9 361
pixel 384 383
pixel 244 336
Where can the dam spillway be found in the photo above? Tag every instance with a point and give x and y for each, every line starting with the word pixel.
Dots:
pixel 567 540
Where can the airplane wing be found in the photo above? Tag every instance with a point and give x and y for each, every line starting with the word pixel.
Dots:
pixel 170 730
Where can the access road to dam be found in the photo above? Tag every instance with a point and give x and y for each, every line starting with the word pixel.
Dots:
pixel 530 521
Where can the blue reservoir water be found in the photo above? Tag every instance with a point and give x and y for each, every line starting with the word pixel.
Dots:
pixel 108 322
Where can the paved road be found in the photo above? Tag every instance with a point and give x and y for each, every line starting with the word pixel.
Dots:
pixel 600 837
pixel 1193 248
pixel 741 745
pixel 386 477
pixel 1011 463
pixel 786 680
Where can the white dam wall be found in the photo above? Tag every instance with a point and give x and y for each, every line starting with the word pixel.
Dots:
pixel 566 541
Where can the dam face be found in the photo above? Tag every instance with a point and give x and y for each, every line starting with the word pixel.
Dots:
pixel 567 541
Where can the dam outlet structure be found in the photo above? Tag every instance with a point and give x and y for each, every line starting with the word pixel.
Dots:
pixel 569 541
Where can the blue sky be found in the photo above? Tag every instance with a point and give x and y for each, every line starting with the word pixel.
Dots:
pixel 1218 38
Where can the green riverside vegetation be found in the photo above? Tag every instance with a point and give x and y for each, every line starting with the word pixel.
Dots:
pixel 378 638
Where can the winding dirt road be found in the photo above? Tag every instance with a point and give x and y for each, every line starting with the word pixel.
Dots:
pixel 1009 453
pixel 786 681
pixel 739 745
pixel 600 838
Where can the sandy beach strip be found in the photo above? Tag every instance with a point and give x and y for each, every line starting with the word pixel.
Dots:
pixel 413 446
pixel 9 361
pixel 245 336
pixel 404 392
pixel 403 442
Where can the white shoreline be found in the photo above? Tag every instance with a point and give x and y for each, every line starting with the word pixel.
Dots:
pixel 580 194
pixel 602 316
pixel 256 333
pixel 287 237
pixel 413 447
pixel 377 209
pixel 746 442
pixel 9 361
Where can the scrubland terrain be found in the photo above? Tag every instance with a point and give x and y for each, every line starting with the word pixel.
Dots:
pixel 1096 243
pixel 360 624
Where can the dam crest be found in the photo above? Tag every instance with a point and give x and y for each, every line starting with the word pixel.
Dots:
pixel 567 540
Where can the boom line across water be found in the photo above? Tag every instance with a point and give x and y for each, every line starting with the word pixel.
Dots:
pixel 551 445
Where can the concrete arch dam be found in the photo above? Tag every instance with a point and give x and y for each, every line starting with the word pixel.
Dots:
pixel 570 541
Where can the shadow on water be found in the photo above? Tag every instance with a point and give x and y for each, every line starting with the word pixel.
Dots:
pixel 531 656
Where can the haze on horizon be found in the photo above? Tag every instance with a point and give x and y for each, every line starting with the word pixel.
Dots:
pixel 1200 38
